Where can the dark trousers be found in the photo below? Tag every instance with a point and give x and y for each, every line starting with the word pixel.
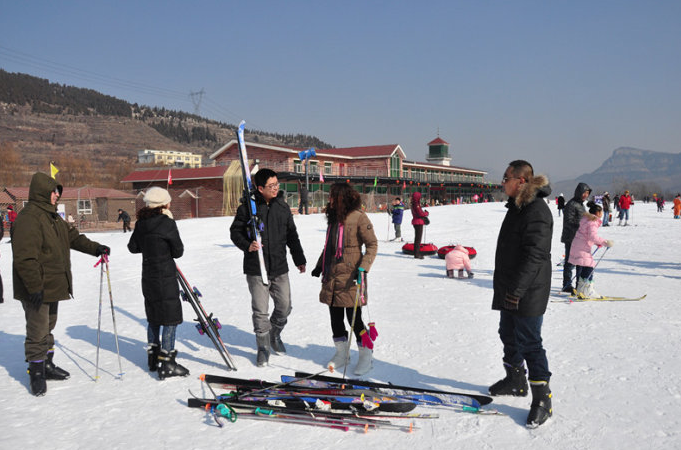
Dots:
pixel 338 325
pixel 567 267
pixel 126 226
pixel 39 325
pixel 418 235
pixel 584 272
pixel 522 341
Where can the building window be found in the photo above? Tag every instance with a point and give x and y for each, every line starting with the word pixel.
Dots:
pixel 298 166
pixel 328 167
pixel 395 166
pixel 84 207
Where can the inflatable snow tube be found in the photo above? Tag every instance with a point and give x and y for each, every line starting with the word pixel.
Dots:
pixel 426 249
pixel 448 248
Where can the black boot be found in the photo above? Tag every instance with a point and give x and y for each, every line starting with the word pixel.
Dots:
pixel 36 370
pixel 152 357
pixel 168 367
pixel 514 384
pixel 262 341
pixel 541 408
pixel 276 343
pixel 53 372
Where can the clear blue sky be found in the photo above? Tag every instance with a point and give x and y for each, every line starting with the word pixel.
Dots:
pixel 559 83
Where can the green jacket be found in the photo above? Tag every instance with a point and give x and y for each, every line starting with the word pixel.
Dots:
pixel 41 243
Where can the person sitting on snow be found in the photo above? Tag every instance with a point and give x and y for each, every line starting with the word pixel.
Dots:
pixel 457 259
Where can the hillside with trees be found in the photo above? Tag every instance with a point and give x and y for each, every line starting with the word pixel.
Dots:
pixel 94 138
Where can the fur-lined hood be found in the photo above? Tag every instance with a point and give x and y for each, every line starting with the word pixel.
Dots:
pixel 592 217
pixel 538 187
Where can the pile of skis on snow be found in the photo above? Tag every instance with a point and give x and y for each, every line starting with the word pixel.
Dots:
pixel 331 402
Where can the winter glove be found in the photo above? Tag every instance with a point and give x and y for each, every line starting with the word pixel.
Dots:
pixel 470 274
pixel 102 250
pixel 366 340
pixel 609 243
pixel 36 300
pixel 360 272
pixel 316 272
pixel 373 333
pixel 511 302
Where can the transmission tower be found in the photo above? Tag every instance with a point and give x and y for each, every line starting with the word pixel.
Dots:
pixel 196 100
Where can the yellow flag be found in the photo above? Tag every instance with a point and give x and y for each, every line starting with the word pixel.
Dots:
pixel 53 170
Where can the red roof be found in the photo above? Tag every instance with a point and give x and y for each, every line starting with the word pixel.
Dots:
pixel 354 152
pixel 438 141
pixel 177 174
pixel 73 193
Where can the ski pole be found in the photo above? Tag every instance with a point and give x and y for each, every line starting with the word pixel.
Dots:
pixel 599 259
pixel 113 315
pixel 360 279
pixel 99 316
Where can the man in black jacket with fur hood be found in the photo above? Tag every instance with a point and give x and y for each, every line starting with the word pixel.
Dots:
pixel 278 232
pixel 522 283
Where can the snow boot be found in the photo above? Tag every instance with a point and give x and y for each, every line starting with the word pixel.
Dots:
pixel 514 384
pixel 582 289
pixel 53 372
pixel 366 360
pixel 168 367
pixel 340 358
pixel 36 371
pixel 541 408
pixel 276 344
pixel 152 356
pixel 263 344
pixel 460 273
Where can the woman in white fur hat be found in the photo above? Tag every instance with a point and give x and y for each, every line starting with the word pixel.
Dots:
pixel 157 238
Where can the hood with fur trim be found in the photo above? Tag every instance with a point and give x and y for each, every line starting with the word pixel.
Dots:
pixel 538 187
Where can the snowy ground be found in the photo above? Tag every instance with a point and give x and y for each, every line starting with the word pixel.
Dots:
pixel 615 365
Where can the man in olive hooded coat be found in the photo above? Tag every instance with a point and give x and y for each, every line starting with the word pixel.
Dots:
pixel 41 272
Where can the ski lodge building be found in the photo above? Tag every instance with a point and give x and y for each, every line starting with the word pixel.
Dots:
pixel 380 173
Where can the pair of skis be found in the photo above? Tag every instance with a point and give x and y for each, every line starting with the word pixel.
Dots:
pixel 207 324
pixel 344 393
pixel 575 298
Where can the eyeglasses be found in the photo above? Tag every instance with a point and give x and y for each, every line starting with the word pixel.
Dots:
pixel 505 179
pixel 272 186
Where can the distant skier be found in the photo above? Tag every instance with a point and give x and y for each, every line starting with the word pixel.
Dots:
pixel 574 209
pixel 677 206
pixel 580 250
pixel 560 202
pixel 156 236
pixel 625 203
pixel 606 209
pixel 418 221
pixel 396 210
pixel 125 217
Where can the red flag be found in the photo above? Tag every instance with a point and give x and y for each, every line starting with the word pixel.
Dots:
pixel 170 177
pixel 404 185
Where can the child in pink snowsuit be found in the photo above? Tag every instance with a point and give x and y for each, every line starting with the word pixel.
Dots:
pixel 457 259
pixel 580 251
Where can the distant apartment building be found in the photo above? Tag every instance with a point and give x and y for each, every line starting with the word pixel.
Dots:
pixel 169 158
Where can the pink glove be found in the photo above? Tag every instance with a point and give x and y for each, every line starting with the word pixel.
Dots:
pixel 366 340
